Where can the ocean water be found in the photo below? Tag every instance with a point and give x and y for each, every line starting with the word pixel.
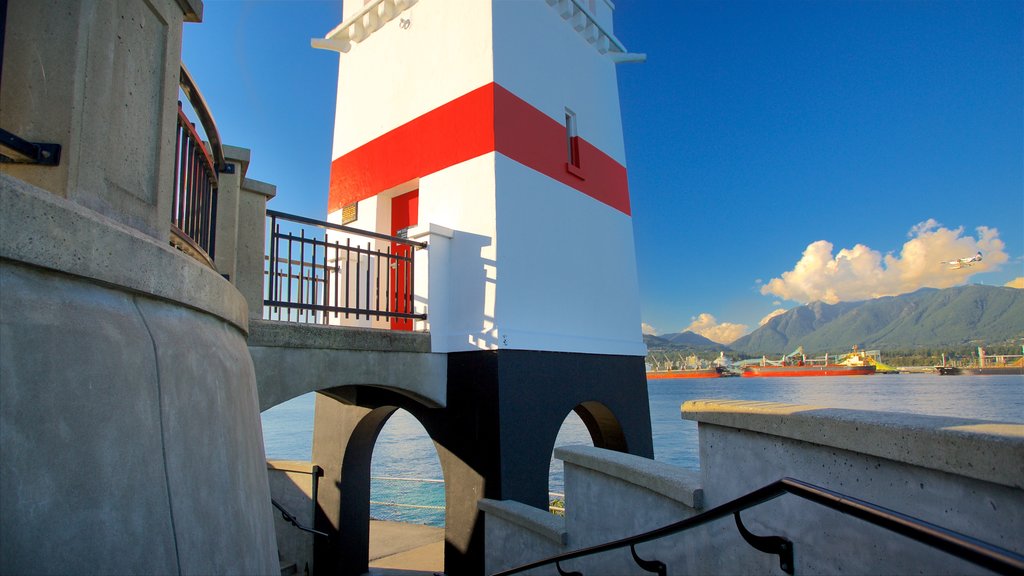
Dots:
pixel 404 450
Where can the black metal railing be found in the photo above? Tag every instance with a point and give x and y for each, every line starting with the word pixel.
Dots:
pixel 981 553
pixel 291 519
pixel 324 273
pixel 196 168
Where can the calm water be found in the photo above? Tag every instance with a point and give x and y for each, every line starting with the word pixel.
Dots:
pixel 404 450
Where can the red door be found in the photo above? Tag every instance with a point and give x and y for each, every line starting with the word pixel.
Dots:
pixel 404 213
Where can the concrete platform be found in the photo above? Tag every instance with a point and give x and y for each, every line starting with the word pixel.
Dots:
pixel 400 549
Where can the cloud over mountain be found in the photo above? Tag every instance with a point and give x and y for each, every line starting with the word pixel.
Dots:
pixel 1017 282
pixel 861 273
pixel 708 326
pixel 771 315
pixel 647 329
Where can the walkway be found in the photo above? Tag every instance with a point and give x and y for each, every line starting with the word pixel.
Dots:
pixel 400 549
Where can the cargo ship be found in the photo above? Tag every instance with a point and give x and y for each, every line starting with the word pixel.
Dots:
pixel 713 372
pixel 788 371
pixel 797 364
pixel 988 365
pixel 689 367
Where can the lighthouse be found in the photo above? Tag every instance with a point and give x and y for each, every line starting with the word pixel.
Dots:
pixel 490 131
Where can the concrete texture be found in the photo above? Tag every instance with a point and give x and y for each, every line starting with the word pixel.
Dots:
pixel 670 481
pixel 989 451
pixel 293 359
pixel 541 522
pixel 99 78
pixel 291 486
pixel 250 242
pixel 130 438
pixel 44 230
pixel 294 335
pixel 129 433
pixel 747 445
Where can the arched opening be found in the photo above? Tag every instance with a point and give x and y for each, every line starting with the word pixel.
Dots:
pixel 588 423
pixel 407 498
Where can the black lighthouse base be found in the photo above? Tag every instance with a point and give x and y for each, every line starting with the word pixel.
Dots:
pixel 494 440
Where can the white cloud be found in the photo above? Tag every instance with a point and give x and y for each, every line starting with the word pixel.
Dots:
pixel 860 273
pixel 707 326
pixel 771 315
pixel 648 329
pixel 1017 282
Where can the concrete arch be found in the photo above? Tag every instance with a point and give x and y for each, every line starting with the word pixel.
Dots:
pixel 293 359
pixel 354 508
pixel 349 420
pixel 605 429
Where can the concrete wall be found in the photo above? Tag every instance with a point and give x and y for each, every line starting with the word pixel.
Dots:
pixel 291 486
pixel 130 438
pixel 129 426
pixel 964 475
pixel 101 79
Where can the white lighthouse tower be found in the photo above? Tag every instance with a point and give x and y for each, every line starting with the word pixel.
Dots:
pixel 491 130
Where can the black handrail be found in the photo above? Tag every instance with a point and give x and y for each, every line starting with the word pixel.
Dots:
pixel 195 98
pixel 976 551
pixel 197 166
pixel 316 276
pixel 290 518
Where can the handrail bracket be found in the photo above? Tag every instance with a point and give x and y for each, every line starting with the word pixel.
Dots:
pixel 17 150
pixel 777 545
pixel 655 566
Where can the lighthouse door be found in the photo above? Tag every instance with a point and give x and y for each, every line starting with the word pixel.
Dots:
pixel 404 214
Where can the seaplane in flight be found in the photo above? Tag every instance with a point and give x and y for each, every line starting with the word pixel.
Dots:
pixel 963 262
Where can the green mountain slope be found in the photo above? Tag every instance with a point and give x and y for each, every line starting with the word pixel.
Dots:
pixel 685 341
pixel 964 315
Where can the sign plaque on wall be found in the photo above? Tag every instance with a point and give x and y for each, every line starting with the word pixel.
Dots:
pixel 349 213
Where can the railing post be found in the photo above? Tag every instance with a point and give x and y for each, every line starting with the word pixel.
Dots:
pixel 250 242
pixel 433 282
pixel 228 198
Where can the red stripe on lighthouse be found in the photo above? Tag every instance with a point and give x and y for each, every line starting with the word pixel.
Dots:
pixel 537 141
pixel 487 119
pixel 453 133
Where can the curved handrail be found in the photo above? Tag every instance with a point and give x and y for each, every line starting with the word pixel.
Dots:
pixel 195 98
pixel 960 545
pixel 290 518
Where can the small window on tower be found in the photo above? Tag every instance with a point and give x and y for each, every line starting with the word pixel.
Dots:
pixel 572 141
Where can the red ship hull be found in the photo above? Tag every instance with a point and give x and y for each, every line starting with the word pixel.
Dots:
pixel 673 374
pixel 819 370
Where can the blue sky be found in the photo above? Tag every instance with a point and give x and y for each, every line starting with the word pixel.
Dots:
pixel 756 132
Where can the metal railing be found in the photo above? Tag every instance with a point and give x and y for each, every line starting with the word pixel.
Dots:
pixel 411 500
pixel 324 273
pixel 196 167
pixel 981 553
pixel 291 519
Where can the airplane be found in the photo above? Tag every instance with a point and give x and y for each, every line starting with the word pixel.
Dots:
pixel 962 262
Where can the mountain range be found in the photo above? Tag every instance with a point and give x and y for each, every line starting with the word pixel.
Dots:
pixel 927 318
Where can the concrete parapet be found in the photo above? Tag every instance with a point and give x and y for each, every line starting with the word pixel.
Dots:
pixel 960 474
pixel 291 486
pixel 250 242
pixel 678 484
pixel 540 522
pixel 293 359
pixel 44 230
pixel 979 449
